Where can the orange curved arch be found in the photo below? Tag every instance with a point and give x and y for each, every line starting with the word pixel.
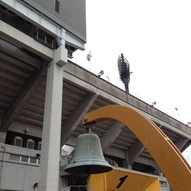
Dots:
pixel 164 152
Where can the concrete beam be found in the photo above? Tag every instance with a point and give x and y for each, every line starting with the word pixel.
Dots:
pixel 181 143
pixel 118 96
pixel 147 161
pixel 75 118
pixel 71 141
pixel 27 129
pixel 109 137
pixel 17 52
pixel 22 99
pixel 134 151
pixel 115 153
pixel 20 39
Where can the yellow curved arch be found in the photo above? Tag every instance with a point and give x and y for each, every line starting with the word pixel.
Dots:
pixel 164 152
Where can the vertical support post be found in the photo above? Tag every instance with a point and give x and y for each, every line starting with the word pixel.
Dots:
pixel 2 137
pixel 50 154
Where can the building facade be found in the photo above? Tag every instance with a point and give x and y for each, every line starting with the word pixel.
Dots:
pixel 43 97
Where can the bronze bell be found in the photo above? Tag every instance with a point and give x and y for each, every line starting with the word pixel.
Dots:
pixel 88 157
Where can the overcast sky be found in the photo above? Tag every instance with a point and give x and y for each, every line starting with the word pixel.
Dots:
pixel 155 37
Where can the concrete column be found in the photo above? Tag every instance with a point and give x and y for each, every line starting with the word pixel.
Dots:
pixel 2 137
pixel 125 162
pixel 50 154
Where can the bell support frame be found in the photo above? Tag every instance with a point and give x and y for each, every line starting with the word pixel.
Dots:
pixel 162 149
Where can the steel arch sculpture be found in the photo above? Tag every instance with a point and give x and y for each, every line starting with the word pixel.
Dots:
pixel 164 152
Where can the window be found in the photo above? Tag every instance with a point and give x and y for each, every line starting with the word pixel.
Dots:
pixel 18 141
pixel 30 144
pixel 57 6
pixel 33 160
pixel 24 158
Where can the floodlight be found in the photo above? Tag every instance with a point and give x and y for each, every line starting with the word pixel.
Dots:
pixel 100 73
pixel 124 71
pixel 153 104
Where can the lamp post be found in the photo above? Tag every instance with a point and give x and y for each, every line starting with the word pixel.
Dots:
pixel 89 59
pixel 176 108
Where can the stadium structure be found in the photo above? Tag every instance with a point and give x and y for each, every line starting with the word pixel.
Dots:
pixel 44 96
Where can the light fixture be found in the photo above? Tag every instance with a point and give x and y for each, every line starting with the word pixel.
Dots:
pixel 89 56
pixel 176 108
pixel 153 104
pixel 26 130
pixel 35 185
pixel 100 73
